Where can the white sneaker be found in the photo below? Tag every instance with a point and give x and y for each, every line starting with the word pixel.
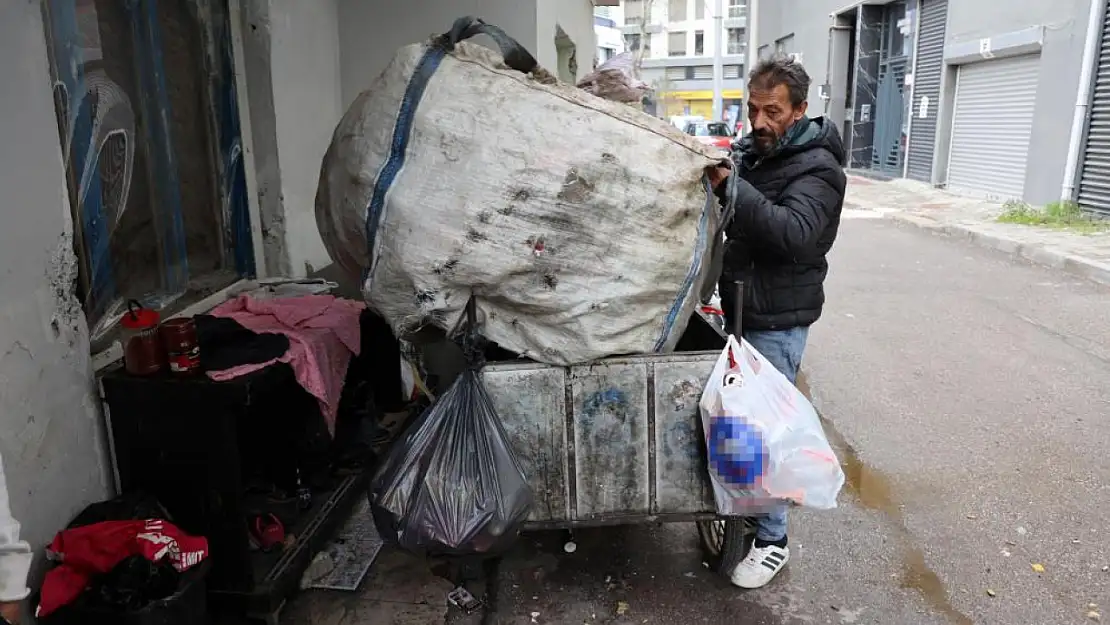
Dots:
pixel 760 566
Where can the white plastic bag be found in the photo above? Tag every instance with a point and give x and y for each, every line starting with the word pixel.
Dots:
pixel 765 441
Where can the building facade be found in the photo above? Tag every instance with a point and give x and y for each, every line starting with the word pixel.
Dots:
pixel 610 37
pixel 977 97
pixel 677 38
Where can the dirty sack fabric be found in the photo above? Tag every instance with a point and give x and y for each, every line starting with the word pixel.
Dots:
pixel 96 549
pixel 323 333
pixel 582 226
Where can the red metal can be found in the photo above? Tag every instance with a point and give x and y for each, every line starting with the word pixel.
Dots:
pixel 182 349
pixel 142 351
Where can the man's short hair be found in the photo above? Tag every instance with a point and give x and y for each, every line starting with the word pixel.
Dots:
pixel 781 70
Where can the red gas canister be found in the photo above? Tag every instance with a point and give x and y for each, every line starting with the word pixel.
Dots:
pixel 142 348
pixel 179 336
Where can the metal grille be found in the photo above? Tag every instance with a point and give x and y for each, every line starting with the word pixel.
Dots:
pixel 926 89
pixel 992 118
pixel 887 148
pixel 703 72
pixel 1094 174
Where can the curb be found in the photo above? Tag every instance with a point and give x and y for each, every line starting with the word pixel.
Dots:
pixel 1076 265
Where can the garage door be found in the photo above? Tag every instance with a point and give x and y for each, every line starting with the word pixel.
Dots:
pixel 1094 176
pixel 991 125
pixel 926 89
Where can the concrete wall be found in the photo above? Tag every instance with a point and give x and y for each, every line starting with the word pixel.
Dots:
pixel 51 435
pixel 1064 24
pixel 575 19
pixel 370 31
pixel 307 106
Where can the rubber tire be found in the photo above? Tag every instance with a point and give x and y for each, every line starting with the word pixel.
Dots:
pixel 737 537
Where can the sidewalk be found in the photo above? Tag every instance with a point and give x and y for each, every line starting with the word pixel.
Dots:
pixel 1086 255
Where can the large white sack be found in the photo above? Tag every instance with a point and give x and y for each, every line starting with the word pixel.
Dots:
pixel 582 226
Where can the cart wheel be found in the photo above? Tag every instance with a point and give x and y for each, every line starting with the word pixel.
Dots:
pixel 726 542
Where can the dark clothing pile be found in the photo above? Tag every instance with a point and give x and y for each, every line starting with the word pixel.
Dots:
pixel 786 212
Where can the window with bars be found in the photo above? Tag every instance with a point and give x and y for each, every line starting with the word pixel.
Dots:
pixel 676 11
pixel 736 41
pixel 703 72
pixel 732 71
pixel 676 44
pixel 675 73
pixel 699 43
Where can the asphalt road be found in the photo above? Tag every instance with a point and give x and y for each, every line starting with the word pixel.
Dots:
pixel 970 399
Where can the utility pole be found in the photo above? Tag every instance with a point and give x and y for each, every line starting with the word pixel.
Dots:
pixel 753 52
pixel 718 59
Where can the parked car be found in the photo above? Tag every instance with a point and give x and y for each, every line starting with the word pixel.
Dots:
pixel 680 121
pixel 716 134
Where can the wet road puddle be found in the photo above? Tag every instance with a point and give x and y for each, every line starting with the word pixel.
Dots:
pixel 874 491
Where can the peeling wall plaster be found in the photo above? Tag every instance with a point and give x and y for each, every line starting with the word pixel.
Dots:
pixel 51 436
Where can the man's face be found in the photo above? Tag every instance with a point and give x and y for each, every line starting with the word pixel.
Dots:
pixel 770 114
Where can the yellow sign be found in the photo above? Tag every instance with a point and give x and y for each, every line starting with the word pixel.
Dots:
pixel 727 94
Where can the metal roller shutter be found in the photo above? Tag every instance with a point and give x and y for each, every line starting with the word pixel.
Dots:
pixel 926 89
pixel 1094 174
pixel 991 125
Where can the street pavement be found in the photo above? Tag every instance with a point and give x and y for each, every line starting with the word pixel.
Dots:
pixel 968 394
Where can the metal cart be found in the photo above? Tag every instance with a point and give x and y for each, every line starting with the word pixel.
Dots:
pixel 619 441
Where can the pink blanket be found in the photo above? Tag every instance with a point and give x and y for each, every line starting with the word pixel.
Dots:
pixel 323 333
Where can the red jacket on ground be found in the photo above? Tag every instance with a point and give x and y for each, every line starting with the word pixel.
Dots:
pixel 96 549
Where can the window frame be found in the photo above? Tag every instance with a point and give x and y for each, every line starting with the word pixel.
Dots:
pixel 680 35
pixel 156 157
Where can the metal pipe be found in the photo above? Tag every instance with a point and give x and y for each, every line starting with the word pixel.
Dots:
pixel 753 49
pixel 1083 100
pixel 916 25
pixel 718 60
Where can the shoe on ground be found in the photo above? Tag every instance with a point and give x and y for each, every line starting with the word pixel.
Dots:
pixel 760 566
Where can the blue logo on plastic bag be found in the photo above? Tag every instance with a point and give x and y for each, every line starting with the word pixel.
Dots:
pixel 737 451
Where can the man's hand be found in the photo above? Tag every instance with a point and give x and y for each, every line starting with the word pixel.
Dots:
pixel 11 611
pixel 717 174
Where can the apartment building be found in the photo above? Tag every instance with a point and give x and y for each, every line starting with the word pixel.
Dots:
pixel 609 36
pixel 678 39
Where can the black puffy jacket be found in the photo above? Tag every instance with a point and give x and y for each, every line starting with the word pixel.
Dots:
pixel 787 213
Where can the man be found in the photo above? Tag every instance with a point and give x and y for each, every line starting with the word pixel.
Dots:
pixel 787 191
pixel 15 561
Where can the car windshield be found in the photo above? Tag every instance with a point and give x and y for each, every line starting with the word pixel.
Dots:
pixel 713 129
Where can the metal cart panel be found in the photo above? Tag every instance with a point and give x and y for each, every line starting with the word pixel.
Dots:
pixel 617 441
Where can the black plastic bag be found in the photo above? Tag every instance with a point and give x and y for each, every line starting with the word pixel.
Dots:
pixel 452 485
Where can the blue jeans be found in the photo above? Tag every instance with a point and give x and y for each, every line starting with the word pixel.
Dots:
pixel 783 349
